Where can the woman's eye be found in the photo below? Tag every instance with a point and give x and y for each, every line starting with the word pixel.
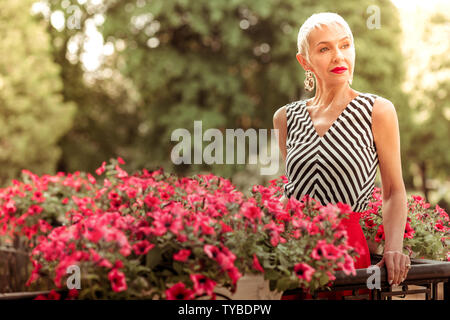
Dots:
pixel 323 49
pixel 346 45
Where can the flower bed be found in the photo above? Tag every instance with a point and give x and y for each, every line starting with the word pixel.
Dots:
pixel 153 234
pixel 427 231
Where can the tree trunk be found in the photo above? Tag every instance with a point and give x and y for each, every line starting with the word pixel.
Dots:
pixel 424 179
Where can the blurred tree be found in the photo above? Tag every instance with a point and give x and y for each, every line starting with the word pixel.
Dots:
pixel 232 63
pixel 106 117
pixel 228 63
pixel 33 116
pixel 429 129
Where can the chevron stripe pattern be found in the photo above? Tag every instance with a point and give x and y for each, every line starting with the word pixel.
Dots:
pixel 339 166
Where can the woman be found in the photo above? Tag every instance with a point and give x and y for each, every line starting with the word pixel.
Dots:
pixel 333 142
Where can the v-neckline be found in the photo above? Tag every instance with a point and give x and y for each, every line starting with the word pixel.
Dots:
pixel 334 122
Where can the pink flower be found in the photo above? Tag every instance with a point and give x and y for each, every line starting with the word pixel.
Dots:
pixel 275 231
pixel 331 252
pixel 345 208
pixel 101 169
pixel 166 222
pixel 256 264
pixel 151 201
pixel 44 226
pixel 34 209
pixel 348 267
pixel 303 271
pixel 179 292
pixel 211 251
pixel 203 284
pixel 118 281
pixel 251 211
pixel 142 247
pixel 182 255
pixel 320 250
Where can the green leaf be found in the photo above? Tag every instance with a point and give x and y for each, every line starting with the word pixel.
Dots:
pixel 153 258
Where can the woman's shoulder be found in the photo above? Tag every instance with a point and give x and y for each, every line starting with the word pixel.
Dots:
pixel 282 111
pixel 380 104
pixel 375 98
pixel 383 113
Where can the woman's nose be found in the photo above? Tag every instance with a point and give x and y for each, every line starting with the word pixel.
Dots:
pixel 338 54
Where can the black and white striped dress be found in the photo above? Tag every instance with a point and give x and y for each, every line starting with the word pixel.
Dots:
pixel 341 165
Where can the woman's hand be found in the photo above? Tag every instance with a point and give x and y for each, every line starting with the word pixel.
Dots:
pixel 397 265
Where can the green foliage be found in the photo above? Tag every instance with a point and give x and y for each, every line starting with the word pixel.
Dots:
pixel 33 116
pixel 426 233
pixel 228 63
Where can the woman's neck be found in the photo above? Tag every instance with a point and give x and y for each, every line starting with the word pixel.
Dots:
pixel 326 97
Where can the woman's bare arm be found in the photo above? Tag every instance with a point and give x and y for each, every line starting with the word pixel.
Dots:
pixel 280 124
pixel 387 139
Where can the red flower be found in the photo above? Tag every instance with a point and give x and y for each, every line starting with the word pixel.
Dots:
pixel 234 274
pixel 73 294
pixel 179 292
pixel 101 169
pixel 380 234
pixel 182 255
pixel 53 295
pixel 225 228
pixel 369 223
pixel 151 201
pixel 203 284
pixel 409 232
pixel 256 264
pixel 303 271
pixel 439 227
pixel 142 247
pixel 118 281
pixel 38 197
pixel 34 209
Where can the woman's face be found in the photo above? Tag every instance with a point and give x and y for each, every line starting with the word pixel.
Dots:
pixel 330 47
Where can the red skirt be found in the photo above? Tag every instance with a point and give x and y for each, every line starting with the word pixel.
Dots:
pixel 356 240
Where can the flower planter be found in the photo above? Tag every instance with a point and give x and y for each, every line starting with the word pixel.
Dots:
pixel 249 287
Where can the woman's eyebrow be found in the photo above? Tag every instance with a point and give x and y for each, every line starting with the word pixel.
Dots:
pixel 331 41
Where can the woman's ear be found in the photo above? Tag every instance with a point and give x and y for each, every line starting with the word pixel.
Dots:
pixel 302 61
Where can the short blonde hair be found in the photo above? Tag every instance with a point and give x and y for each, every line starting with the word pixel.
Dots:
pixel 318 20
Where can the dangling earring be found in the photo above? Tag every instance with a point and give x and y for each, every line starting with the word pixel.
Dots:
pixel 309 81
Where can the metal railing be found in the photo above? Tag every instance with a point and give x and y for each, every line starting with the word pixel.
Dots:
pixel 423 273
pixel 427 274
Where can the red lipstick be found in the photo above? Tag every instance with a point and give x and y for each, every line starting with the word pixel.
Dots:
pixel 339 70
